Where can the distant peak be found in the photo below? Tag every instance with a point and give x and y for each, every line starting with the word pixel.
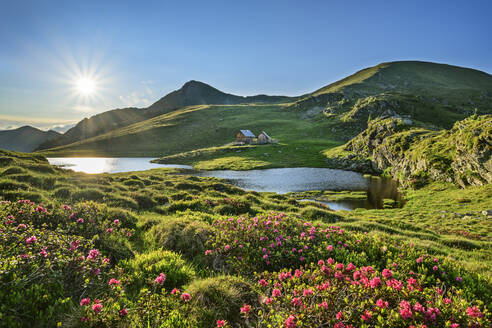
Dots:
pixel 27 127
pixel 194 83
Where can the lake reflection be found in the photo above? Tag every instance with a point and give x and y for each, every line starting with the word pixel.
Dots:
pixel 109 165
pixel 286 180
pixel 281 180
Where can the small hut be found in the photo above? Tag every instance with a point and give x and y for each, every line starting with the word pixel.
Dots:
pixel 264 138
pixel 245 136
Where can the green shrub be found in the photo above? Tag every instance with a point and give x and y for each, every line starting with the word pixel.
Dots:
pixel 144 201
pixel 226 188
pixel 188 186
pixel 42 168
pixel 161 199
pixel 141 271
pixel 220 298
pixel 134 183
pixel 181 196
pixel 124 202
pixel 63 193
pixel 461 243
pixel 183 235
pixel 13 170
pixel 194 205
pixel 4 160
pixel 88 194
pixel 8 184
pixel 314 213
pixel 44 182
pixel 21 194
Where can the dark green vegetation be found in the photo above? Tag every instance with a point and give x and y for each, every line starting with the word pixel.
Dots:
pixel 25 138
pixel 166 221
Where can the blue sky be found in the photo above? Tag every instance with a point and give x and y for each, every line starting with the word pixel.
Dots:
pixel 139 51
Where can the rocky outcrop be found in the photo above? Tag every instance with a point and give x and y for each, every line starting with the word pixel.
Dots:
pixel 321 101
pixel 473 155
pixel 413 155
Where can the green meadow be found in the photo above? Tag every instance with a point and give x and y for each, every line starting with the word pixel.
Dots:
pixel 172 220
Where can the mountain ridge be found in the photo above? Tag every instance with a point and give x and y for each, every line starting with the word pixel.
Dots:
pixel 426 94
pixel 25 139
pixel 191 93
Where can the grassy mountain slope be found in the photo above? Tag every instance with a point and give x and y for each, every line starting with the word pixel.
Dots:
pixel 413 76
pixel 435 94
pixel 202 126
pixel 428 95
pixel 190 94
pixel 25 138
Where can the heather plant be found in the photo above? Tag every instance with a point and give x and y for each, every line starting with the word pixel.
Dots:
pixel 143 268
pixel 334 294
pixel 276 241
pixel 43 271
pixel 187 236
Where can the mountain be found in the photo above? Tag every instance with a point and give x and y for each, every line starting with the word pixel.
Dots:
pixel 25 138
pixel 432 93
pixel 429 95
pixel 190 94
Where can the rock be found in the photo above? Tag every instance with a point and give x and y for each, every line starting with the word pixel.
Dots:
pixel 407 121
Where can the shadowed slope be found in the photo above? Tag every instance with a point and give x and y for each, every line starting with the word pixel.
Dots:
pixel 25 138
pixel 190 94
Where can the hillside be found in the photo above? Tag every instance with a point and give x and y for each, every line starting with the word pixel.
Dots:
pixel 430 93
pixel 415 156
pixel 424 95
pixel 25 139
pixel 195 127
pixel 190 94
pixel 101 250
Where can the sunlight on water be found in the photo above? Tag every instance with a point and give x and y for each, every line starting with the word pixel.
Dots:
pixel 109 165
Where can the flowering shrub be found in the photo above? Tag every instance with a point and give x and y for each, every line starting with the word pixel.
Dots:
pixel 333 294
pixel 276 241
pixel 44 271
pixel 166 268
pixel 229 206
pixel 84 219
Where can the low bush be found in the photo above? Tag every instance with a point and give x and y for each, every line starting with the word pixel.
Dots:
pixel 13 170
pixel 330 294
pixel 141 271
pixel 185 236
pixel 144 201
pixel 88 194
pixel 220 298
pixel 315 213
pixel 187 186
pixel 63 193
pixel 134 183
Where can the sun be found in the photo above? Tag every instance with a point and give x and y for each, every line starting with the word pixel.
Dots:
pixel 85 86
